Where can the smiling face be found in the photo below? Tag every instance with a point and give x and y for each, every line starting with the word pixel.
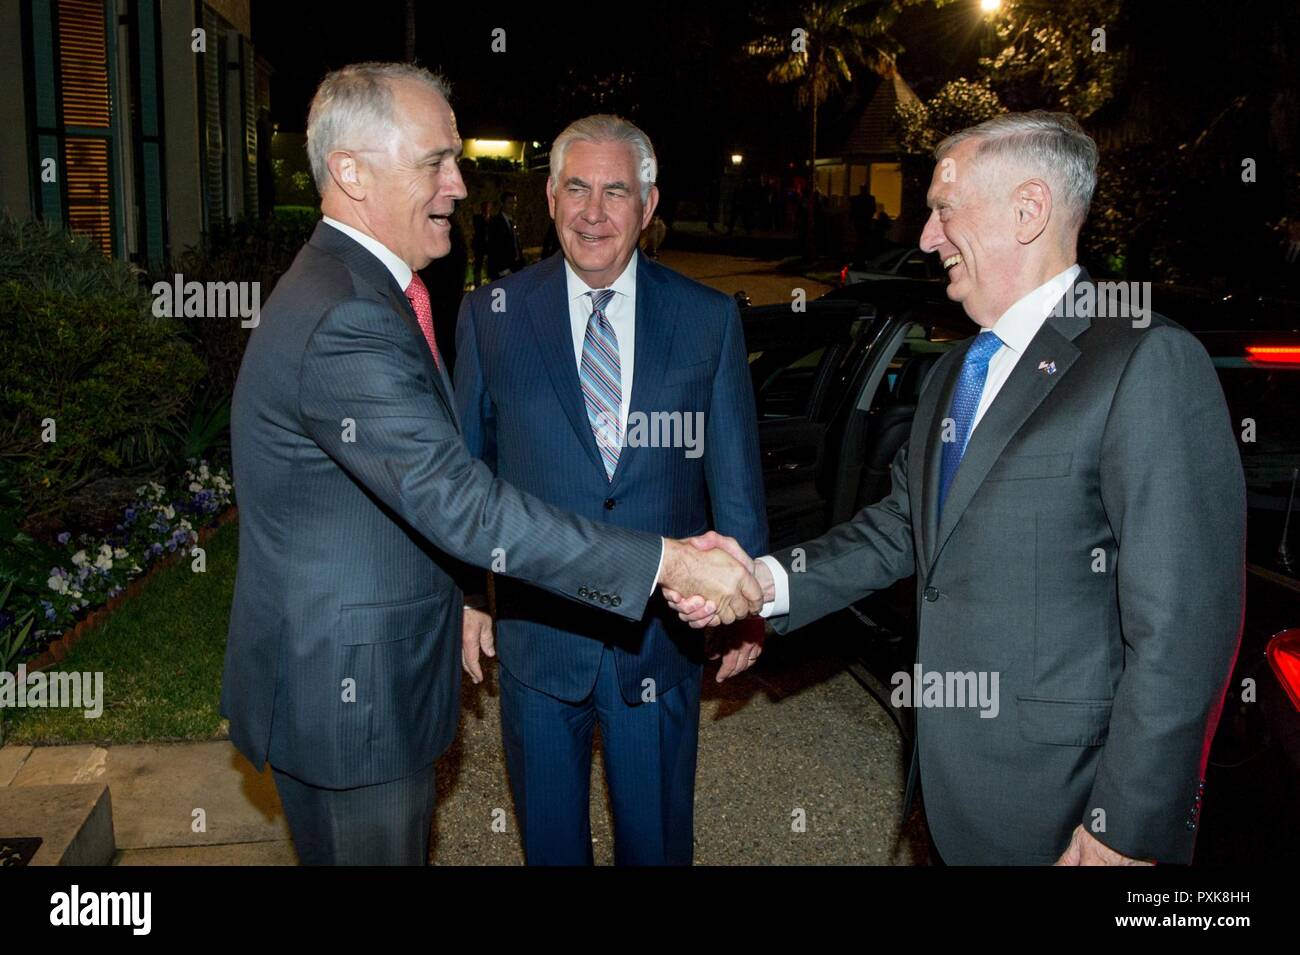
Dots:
pixel 597 208
pixel 411 188
pixel 973 229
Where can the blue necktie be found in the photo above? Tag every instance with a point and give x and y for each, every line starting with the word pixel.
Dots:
pixel 602 384
pixel 965 401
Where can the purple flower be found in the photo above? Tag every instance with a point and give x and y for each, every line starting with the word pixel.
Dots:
pixel 129 516
pixel 64 537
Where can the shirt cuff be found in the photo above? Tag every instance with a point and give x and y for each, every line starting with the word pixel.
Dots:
pixel 663 549
pixel 780 605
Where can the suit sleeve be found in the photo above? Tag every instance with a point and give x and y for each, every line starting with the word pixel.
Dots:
pixel 853 559
pixel 732 469
pixel 1175 496
pixel 363 399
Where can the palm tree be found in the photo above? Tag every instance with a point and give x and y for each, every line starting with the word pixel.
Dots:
pixel 836 39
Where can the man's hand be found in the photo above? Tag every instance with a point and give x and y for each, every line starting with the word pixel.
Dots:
pixel 695 609
pixel 743 645
pixel 715 571
pixel 475 637
pixel 1086 849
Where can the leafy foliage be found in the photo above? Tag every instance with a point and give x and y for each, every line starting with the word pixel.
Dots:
pixel 957 105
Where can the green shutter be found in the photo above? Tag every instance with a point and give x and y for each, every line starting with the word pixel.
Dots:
pixel 45 95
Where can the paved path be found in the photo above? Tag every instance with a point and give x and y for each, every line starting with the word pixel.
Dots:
pixel 797 765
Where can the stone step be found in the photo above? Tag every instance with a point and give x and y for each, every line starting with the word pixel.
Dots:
pixel 75 820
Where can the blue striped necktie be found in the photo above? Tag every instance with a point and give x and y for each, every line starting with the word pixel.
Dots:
pixel 602 382
pixel 965 402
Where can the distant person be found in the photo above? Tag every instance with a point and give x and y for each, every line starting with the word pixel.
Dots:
pixel 504 253
pixel 652 237
pixel 862 208
pixel 478 244
pixel 550 241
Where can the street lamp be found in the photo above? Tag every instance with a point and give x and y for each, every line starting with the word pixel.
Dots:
pixel 990 6
pixel 737 159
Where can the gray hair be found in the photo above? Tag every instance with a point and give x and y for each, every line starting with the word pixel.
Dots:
pixel 1052 145
pixel 355 104
pixel 605 128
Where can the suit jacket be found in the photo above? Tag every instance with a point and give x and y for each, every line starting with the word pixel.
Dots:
pixel 1091 553
pixel 503 249
pixel 521 405
pixel 357 497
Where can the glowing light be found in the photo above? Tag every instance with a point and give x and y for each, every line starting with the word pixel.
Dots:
pixel 737 159
pixel 990 6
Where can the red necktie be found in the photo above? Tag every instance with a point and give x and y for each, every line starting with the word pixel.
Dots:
pixel 418 296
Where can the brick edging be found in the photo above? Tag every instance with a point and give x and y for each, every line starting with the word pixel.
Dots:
pixel 60 647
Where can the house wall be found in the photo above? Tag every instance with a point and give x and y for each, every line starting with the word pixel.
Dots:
pixel 15 187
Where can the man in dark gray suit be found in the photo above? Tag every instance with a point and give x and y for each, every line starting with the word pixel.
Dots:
pixel 1072 503
pixel 358 497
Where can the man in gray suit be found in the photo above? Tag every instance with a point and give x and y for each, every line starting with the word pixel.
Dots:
pixel 358 497
pixel 1072 503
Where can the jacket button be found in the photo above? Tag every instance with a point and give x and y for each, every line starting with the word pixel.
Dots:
pixel 931 594
pixel 604 598
pixel 584 592
pixel 609 503
pixel 616 601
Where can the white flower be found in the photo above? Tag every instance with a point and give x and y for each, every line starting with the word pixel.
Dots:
pixel 203 471
pixel 79 558
pixel 168 512
pixel 58 584
pixel 105 550
pixel 119 553
pixel 104 563
pixel 186 524
pixel 195 487
pixel 74 594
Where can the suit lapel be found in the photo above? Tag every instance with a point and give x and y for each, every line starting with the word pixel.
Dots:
pixel 923 470
pixel 548 311
pixel 368 269
pixel 656 321
pixel 1029 384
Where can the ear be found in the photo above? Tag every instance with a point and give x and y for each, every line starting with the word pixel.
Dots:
pixel 550 196
pixel 652 201
pixel 344 170
pixel 1033 207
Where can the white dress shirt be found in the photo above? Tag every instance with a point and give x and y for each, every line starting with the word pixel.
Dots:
pixel 1016 328
pixel 392 261
pixel 621 313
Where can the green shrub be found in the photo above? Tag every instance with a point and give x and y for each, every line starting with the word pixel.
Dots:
pixel 47 258
pixel 251 250
pixel 107 372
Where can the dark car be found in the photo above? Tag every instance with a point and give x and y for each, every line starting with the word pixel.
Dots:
pixel 901 262
pixel 836 388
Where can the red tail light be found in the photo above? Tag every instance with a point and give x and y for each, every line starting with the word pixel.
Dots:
pixel 844 275
pixel 1284 657
pixel 1275 354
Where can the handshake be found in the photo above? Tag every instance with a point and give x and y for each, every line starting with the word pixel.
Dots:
pixel 709 580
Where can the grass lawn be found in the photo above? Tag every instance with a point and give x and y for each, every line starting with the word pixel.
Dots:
pixel 161 654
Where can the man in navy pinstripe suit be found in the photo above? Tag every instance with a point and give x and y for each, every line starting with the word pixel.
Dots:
pixel 358 497
pixel 613 387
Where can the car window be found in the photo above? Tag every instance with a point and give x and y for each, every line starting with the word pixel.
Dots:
pixel 922 346
pixel 784 380
pixel 1264 406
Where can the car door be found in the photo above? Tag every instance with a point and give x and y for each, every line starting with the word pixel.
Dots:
pixel 800 363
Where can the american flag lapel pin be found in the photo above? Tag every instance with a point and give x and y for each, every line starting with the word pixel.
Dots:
pixel 1047 367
